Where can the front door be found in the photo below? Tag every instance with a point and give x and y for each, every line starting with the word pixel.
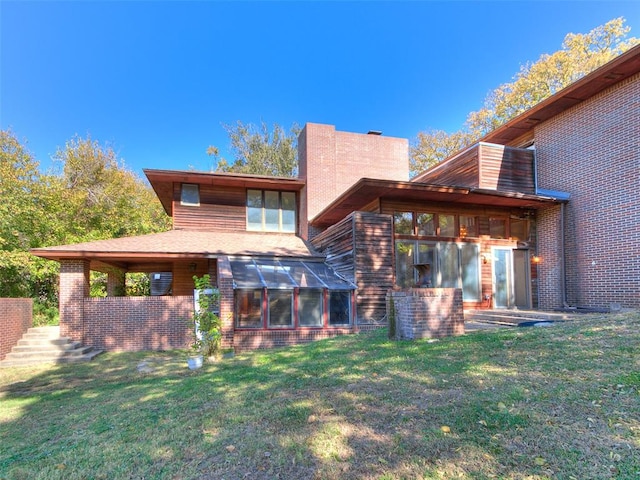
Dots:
pixel 503 296
pixel 521 279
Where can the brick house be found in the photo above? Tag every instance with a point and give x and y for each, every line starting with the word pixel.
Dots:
pixel 541 213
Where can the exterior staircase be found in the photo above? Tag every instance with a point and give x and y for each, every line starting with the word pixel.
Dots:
pixel 515 318
pixel 45 345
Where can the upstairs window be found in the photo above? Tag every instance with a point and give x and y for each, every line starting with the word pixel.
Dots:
pixel 271 211
pixel 190 195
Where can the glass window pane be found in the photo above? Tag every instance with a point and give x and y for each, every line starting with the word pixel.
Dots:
pixel 310 308
pixel 426 224
pixel 274 274
pixel 498 227
pixel 302 276
pixel 403 223
pixel 339 308
pixel 447 225
pixel 245 274
pixel 404 264
pixel 254 210
pixel 425 274
pixel 470 258
pixel 190 194
pixel 468 226
pixel 519 229
pixel 328 277
pixel 249 308
pixel 280 308
pixel 271 211
pixel 288 212
pixel 449 273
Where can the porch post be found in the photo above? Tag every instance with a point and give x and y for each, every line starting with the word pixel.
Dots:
pixel 115 283
pixel 74 287
pixel 225 287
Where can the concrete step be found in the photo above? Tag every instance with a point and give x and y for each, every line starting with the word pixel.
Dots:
pixel 515 317
pixel 24 362
pixel 44 345
pixel 73 350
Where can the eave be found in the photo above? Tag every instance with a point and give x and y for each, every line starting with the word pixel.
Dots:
pixel 162 182
pixel 367 190
pixel 620 68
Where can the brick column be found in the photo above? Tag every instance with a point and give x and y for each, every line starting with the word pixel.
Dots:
pixel 74 287
pixel 115 283
pixel 225 286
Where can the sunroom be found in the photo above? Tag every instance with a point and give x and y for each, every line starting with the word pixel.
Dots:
pixel 280 294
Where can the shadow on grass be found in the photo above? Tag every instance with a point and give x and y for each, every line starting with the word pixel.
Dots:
pixel 509 404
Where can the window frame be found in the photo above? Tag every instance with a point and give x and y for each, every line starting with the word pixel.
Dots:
pixel 184 195
pixel 283 226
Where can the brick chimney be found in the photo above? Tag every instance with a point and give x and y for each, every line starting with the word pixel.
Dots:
pixel 331 161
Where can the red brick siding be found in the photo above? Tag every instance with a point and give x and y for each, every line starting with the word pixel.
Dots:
pixel 74 287
pixel 225 287
pixel 16 318
pixel 427 312
pixel 259 339
pixel 592 151
pixel 332 161
pixel 138 323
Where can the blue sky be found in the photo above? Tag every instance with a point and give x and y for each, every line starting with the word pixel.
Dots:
pixel 157 80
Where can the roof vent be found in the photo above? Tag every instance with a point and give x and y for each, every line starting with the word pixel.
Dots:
pixel 374 132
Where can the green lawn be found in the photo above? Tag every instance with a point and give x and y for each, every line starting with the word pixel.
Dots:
pixel 560 402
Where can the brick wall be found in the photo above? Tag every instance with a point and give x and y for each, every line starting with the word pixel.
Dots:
pixel 74 287
pixel 332 161
pixel 138 323
pixel 225 287
pixel 252 340
pixel 426 312
pixel 592 151
pixel 16 317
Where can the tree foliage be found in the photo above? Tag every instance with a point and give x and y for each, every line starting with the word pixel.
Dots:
pixel 260 151
pixel 111 200
pixel 93 197
pixel 580 54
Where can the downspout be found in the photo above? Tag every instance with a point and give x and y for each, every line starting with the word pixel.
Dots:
pixel 563 268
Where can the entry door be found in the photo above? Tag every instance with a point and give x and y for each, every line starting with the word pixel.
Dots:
pixel 503 296
pixel 521 279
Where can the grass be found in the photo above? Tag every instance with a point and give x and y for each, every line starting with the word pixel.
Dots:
pixel 532 403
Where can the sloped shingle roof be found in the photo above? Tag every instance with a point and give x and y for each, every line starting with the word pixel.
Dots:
pixel 184 243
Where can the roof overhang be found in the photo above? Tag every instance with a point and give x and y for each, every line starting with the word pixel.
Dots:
pixel 162 182
pixel 368 190
pixel 620 68
pixel 145 252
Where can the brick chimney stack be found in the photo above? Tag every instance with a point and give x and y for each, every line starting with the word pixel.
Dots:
pixel 332 161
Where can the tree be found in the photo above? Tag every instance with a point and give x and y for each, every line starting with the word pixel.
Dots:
pixel 434 146
pixel 103 198
pixel 580 55
pixel 259 151
pixel 94 197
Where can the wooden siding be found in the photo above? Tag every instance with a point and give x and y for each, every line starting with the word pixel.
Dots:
pixel 374 265
pixel 461 171
pixel 337 243
pixel 487 166
pixel 221 209
pixel 506 169
pixel 360 247
pixel 183 273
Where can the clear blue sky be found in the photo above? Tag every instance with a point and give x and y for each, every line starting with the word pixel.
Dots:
pixel 156 80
